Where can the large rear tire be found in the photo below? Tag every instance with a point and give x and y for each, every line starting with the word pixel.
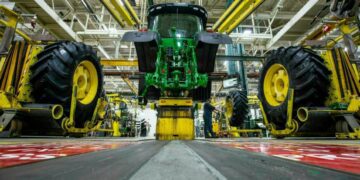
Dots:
pixel 239 107
pixel 62 65
pixel 294 67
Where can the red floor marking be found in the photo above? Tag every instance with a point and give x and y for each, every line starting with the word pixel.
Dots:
pixel 11 155
pixel 339 157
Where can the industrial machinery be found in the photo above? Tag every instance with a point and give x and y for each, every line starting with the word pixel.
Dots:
pixel 54 89
pixel 230 122
pixel 176 54
pixel 120 115
pixel 303 92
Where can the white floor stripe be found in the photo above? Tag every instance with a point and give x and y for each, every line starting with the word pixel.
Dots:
pixel 177 161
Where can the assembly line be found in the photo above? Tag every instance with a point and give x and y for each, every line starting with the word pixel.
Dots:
pixel 185 89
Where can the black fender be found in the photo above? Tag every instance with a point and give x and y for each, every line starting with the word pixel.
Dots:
pixel 213 38
pixel 146 45
pixel 206 48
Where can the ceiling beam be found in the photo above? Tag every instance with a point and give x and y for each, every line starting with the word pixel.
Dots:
pixel 52 14
pixel 103 32
pixel 292 22
pixel 249 36
pixel 101 49
pixel 283 15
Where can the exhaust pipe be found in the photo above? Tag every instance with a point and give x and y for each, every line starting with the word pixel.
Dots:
pixel 57 111
pixel 54 111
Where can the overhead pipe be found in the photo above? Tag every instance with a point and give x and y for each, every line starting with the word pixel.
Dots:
pixel 235 14
pixel 242 14
pixel 123 13
pixel 113 12
pixel 228 11
pixel 131 11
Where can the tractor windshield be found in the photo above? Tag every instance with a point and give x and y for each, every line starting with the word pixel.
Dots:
pixel 177 25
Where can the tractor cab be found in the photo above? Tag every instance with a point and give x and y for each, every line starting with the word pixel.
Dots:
pixel 177 20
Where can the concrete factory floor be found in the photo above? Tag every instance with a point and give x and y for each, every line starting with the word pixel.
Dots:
pixel 109 158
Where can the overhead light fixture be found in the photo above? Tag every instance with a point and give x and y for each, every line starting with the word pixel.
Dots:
pixel 124 46
pixel 247 32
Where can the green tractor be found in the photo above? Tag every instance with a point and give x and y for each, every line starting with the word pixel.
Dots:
pixel 177 55
pixel 175 52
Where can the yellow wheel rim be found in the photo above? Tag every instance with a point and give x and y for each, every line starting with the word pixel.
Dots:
pixel 276 84
pixel 86 80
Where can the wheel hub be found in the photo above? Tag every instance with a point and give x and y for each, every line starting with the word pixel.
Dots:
pixel 276 84
pixel 86 79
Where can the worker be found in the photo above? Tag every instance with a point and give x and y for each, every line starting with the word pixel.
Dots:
pixel 208 109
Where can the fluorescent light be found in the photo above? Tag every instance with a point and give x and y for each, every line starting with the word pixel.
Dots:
pixel 124 46
pixel 247 31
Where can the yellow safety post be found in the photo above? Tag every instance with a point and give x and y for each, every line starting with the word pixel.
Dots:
pixel 116 129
